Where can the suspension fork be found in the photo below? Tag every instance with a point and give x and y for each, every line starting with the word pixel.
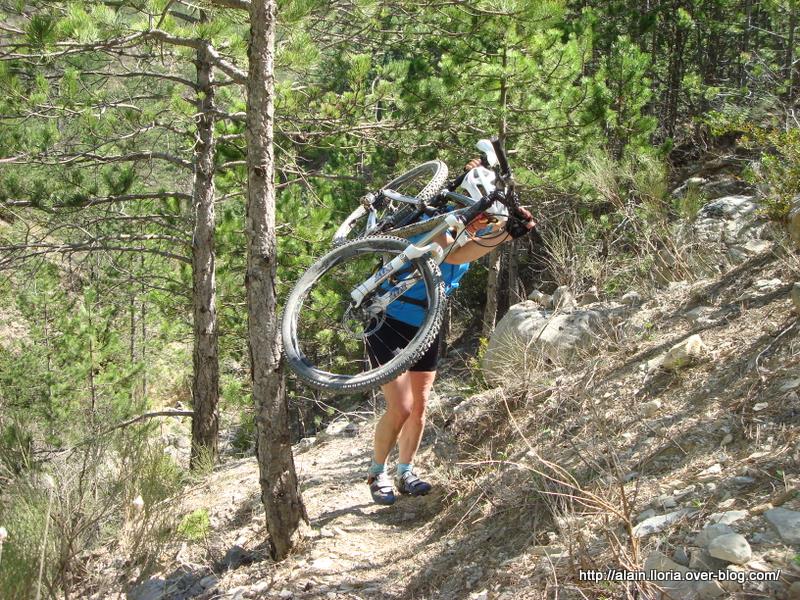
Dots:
pixel 412 252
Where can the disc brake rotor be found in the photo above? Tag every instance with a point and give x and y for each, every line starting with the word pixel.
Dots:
pixel 359 323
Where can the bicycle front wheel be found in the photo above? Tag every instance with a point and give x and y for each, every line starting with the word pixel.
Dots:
pixel 327 339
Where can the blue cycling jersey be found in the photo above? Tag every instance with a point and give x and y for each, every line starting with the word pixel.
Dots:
pixel 413 314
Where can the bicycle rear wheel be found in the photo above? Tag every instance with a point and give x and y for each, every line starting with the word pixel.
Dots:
pixel 422 182
pixel 326 338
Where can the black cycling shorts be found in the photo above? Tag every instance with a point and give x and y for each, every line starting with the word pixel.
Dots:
pixel 392 337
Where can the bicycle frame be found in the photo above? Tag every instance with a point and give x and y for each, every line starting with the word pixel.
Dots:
pixel 413 251
pixel 480 183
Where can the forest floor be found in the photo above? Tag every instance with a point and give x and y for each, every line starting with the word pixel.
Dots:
pixel 671 452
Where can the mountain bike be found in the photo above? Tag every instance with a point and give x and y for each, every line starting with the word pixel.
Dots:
pixel 342 299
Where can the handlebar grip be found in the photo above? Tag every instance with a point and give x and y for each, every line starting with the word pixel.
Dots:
pixel 476 209
pixel 456 182
pixel 500 151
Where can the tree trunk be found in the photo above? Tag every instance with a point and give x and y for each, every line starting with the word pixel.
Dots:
pixel 205 384
pixel 490 310
pixel 512 272
pixel 280 493
pixel 674 76
pixel 745 42
pixel 788 61
pixel 495 256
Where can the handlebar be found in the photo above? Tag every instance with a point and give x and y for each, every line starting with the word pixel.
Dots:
pixel 483 204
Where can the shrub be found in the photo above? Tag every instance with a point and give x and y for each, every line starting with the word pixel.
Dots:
pixel 87 499
pixel 195 525
pixel 779 168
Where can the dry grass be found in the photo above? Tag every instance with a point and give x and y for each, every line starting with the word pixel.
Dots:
pixel 565 455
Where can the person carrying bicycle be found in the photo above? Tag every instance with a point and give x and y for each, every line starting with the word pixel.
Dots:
pixel 403 422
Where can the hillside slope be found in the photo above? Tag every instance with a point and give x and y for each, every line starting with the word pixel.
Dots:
pixel 534 484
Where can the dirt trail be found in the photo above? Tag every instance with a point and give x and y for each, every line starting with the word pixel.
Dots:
pixel 357 549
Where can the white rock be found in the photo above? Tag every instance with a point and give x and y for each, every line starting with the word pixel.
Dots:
pixel 727 517
pixel 544 300
pixel 731 547
pixel 711 473
pixel 701 560
pixel 693 183
pixel 305 443
pixel 710 532
pixel 684 353
pixel 341 427
pixel 650 409
pixel 658 562
pixel 151 589
pixel 699 313
pixel 528 335
pixel 709 590
pixel 767 286
pixel 733 226
pixel 632 298
pixel 3 534
pixel 563 300
pixel 323 564
pixel 665 501
pixel 791 383
pixel 680 556
pixel 786 523
pixel 659 522
pixel 645 514
pixel 759 406
pixel 590 296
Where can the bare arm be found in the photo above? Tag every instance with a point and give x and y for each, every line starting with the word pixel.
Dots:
pixel 476 247
pixel 480 246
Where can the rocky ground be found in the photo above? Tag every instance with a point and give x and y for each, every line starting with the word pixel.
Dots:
pixel 660 432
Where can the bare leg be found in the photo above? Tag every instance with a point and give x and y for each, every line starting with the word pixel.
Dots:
pixel 421 383
pixel 399 404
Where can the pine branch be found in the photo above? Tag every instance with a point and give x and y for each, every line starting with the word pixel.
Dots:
pixel 88 246
pixel 217 60
pixel 238 4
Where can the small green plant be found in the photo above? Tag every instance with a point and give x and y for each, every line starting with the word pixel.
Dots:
pixel 690 203
pixel 245 434
pixel 195 525
pixel 475 364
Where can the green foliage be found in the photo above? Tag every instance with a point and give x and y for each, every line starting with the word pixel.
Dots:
pixel 474 363
pixel 41 30
pixel 16 446
pixel 688 205
pixel 779 168
pixel 119 180
pixel 195 525
pixel 592 100
pixel 101 478
pixel 245 434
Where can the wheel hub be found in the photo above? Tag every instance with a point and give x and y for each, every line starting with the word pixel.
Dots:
pixel 360 321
